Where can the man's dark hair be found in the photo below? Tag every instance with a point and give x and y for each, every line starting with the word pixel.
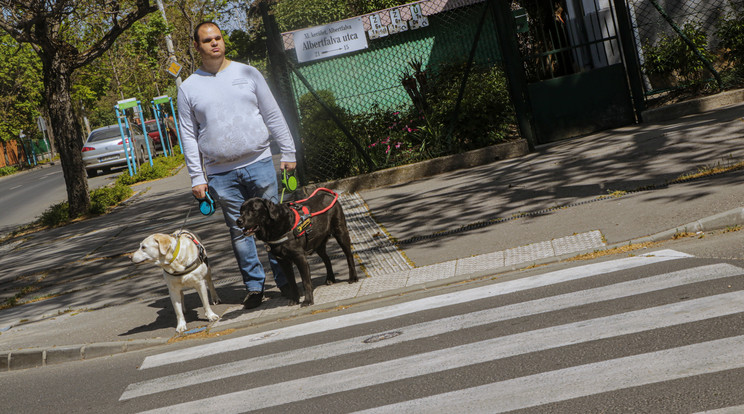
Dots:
pixel 198 26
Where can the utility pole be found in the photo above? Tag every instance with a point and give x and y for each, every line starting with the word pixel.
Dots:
pixel 169 43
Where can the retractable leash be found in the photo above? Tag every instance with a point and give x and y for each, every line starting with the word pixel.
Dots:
pixel 288 183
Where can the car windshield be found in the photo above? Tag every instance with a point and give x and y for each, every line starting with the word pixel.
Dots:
pixel 104 135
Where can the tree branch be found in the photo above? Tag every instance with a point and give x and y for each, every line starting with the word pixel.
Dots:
pixel 118 26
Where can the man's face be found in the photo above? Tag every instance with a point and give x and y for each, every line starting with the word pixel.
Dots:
pixel 211 45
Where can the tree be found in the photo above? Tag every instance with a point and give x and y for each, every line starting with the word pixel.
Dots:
pixel 67 35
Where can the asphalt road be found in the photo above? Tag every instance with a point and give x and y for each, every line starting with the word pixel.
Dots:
pixel 25 196
pixel 660 333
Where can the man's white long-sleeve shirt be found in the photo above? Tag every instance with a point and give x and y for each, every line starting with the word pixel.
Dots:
pixel 226 119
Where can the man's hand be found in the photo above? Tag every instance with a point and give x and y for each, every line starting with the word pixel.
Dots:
pixel 289 166
pixel 199 191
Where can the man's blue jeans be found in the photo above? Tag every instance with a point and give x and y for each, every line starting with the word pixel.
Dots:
pixel 231 189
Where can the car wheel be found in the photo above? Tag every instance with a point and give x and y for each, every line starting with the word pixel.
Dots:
pixel 91 173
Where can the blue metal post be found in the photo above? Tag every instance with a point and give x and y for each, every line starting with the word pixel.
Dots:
pixel 144 132
pixel 124 142
pixel 175 121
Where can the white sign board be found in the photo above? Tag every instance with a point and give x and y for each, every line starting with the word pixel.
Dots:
pixel 330 40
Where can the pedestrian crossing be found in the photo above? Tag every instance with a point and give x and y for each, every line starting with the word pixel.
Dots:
pixel 533 389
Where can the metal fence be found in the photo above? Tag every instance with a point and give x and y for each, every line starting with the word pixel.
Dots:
pixel 666 31
pixel 403 96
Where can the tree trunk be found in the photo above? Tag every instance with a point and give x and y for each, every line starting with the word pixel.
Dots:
pixel 67 133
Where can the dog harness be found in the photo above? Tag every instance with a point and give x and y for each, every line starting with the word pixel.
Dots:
pixel 200 258
pixel 303 216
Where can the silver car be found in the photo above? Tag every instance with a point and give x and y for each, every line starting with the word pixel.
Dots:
pixel 104 149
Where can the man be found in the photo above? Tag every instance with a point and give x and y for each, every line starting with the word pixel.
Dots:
pixel 227 115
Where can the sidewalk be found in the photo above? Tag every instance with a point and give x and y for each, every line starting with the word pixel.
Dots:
pixel 563 199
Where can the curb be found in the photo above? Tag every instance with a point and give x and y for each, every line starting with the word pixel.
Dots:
pixel 694 106
pixel 32 358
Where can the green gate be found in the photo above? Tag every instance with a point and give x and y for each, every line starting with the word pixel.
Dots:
pixel 575 71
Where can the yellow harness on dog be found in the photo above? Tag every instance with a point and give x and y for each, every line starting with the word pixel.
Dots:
pixel 201 258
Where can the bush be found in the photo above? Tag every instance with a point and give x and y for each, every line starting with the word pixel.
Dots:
pixel 55 215
pixel 672 55
pixel 103 198
pixel 730 32
pixel 7 170
pixel 161 167
pixel 328 152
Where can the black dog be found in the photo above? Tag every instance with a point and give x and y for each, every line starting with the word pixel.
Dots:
pixel 296 229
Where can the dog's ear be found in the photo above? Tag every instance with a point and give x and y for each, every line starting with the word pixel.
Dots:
pixel 273 209
pixel 164 242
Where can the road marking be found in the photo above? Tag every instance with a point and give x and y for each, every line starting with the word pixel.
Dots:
pixel 13 188
pixel 343 321
pixel 583 380
pixel 526 391
pixel 436 327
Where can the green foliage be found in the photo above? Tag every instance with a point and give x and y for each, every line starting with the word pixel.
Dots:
pixel 730 32
pixel 21 89
pixel 485 115
pixel 671 54
pixel 326 148
pixel 161 167
pixel 55 215
pixel 415 133
pixel 8 170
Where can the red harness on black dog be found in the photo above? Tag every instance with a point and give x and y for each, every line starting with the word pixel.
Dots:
pixel 303 216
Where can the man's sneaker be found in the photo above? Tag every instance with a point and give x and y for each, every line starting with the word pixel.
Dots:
pixel 252 300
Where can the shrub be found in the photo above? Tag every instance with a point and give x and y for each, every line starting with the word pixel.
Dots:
pixel 328 152
pixel 161 167
pixel 55 215
pixel 730 32
pixel 7 170
pixel 101 199
pixel 671 54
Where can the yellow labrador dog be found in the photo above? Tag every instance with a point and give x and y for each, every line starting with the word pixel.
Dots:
pixel 185 265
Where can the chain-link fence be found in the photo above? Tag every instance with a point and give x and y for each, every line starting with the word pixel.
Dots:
pixel 686 46
pixel 392 91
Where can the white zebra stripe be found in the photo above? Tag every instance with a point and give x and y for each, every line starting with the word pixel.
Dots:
pixel 583 380
pixel 497 348
pixel 434 302
pixel 432 328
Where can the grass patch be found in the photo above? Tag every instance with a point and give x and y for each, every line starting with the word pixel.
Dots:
pixel 616 250
pixel 705 171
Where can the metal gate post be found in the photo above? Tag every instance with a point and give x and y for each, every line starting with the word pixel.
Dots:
pixel 506 30
pixel 630 56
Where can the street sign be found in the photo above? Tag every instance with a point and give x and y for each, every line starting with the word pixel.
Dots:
pixel 174 69
pixel 330 40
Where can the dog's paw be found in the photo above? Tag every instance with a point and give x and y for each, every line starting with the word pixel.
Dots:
pixel 213 317
pixel 216 301
pixel 306 303
pixel 330 280
pixel 181 328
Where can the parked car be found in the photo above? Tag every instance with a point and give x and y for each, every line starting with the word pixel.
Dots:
pixel 104 149
pixel 152 132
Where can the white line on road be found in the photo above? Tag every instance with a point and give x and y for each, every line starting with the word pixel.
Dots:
pixel 497 348
pixel 343 321
pixel 432 328
pixel 583 380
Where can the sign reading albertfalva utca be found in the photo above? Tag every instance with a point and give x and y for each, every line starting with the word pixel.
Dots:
pixel 330 40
